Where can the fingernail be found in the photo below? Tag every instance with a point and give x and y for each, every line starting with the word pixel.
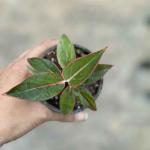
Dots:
pixel 82 116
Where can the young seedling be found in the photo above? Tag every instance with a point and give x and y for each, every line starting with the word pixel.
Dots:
pixel 48 80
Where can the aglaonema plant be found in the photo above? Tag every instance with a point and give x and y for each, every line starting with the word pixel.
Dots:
pixel 48 80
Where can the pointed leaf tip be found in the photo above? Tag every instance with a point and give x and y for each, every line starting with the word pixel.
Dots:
pixel 98 73
pixel 65 51
pixel 89 98
pixel 43 65
pixel 63 36
pixel 103 50
pixel 79 70
pixel 38 87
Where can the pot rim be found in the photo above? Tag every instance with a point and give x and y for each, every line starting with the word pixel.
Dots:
pixel 55 109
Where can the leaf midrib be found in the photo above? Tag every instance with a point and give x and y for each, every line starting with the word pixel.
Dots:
pixel 80 70
pixel 48 85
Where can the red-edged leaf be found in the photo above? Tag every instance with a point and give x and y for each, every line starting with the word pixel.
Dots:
pixel 67 101
pixel 43 65
pixel 38 87
pixel 65 51
pixel 99 72
pixel 89 98
pixel 79 70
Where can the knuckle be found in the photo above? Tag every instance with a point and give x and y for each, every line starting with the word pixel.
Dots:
pixel 13 67
pixel 16 67
pixel 61 118
pixel 70 118
pixel 42 112
pixel 45 115
pixel 49 41
pixel 23 55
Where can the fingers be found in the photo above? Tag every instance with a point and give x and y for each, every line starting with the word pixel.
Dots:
pixel 40 49
pixel 1 70
pixel 37 51
pixel 19 66
pixel 82 116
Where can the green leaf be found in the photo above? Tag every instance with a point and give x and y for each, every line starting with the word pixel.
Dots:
pixel 76 72
pixel 81 99
pixel 65 51
pixel 67 101
pixel 87 95
pixel 43 65
pixel 31 70
pixel 98 73
pixel 38 87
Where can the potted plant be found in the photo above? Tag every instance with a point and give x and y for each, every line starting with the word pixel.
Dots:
pixel 67 79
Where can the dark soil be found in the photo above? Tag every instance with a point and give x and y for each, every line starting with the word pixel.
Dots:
pixel 93 88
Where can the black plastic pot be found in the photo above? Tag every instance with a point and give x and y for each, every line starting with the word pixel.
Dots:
pixel 95 88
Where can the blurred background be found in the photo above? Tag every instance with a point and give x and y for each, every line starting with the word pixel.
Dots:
pixel 122 121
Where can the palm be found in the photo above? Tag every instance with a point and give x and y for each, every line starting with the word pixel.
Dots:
pixel 17 117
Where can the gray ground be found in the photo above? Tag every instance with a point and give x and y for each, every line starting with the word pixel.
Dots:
pixel 123 119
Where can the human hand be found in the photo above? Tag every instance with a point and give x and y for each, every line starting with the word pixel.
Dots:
pixel 17 117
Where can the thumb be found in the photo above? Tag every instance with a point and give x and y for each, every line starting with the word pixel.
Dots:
pixel 81 116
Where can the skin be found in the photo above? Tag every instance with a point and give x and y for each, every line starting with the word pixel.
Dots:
pixel 18 117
